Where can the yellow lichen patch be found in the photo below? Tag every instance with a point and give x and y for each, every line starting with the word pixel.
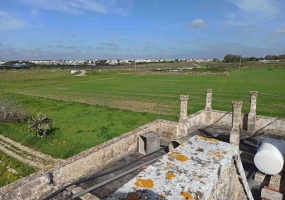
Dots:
pixel 182 145
pixel 133 196
pixel 209 139
pixel 224 152
pixel 162 195
pixel 181 158
pixel 146 183
pixel 169 176
pixel 186 195
pixel 167 165
pixel 211 153
pixel 218 155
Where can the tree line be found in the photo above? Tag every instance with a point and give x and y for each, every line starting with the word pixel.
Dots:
pixel 229 58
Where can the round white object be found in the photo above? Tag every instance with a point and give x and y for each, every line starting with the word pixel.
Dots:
pixel 269 158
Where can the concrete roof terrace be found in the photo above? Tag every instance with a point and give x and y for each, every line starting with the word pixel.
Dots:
pixel 207 143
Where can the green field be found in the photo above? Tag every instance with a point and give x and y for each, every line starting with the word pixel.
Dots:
pixel 9 177
pixel 92 109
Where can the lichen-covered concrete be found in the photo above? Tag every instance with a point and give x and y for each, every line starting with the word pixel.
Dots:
pixel 201 168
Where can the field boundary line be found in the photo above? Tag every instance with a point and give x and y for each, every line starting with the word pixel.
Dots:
pixel 25 154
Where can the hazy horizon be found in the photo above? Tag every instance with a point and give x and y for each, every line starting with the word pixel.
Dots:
pixel 136 29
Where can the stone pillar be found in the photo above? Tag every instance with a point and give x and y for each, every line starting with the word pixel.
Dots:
pixel 209 93
pixel 236 123
pixel 252 112
pixel 183 106
pixel 208 115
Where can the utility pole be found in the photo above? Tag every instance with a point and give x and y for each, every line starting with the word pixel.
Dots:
pixel 135 65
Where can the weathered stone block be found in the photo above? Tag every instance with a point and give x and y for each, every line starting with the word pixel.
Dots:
pixel 259 176
pixel 149 142
pixel 271 195
pixel 201 168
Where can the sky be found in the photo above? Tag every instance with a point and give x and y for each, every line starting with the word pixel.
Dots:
pixel 138 29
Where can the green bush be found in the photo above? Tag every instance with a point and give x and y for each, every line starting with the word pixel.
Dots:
pixel 40 124
pixel 11 110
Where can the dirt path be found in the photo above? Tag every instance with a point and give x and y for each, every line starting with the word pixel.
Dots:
pixel 24 154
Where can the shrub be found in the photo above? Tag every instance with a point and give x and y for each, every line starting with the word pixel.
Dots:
pixel 40 124
pixel 11 110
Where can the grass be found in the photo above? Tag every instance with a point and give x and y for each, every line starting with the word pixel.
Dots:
pixel 77 126
pixel 159 93
pixel 92 109
pixel 8 177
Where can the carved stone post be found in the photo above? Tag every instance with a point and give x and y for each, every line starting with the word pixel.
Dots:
pixel 236 123
pixel 183 106
pixel 208 116
pixel 252 113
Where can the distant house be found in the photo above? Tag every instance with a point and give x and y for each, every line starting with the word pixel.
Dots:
pixel 112 62
pixel 20 65
pixel 268 61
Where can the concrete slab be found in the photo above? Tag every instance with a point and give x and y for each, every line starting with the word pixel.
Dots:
pixel 193 170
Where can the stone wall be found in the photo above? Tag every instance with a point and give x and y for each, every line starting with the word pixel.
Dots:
pixel 222 118
pixel 191 123
pixel 269 123
pixel 168 129
pixel 46 181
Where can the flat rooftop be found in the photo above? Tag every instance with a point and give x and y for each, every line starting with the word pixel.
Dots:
pixel 248 149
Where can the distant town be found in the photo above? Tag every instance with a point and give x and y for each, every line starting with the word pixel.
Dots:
pixel 93 62
pixel 229 58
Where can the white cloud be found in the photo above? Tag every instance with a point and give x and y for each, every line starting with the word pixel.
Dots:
pixel 250 12
pixel 262 6
pixel 71 6
pixel 198 23
pixel 81 6
pixel 10 22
